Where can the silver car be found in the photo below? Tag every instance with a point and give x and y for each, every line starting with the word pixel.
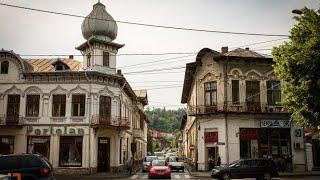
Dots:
pixel 146 162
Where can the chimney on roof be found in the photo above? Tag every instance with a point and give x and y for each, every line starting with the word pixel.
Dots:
pixel 224 49
pixel 247 48
pixel 119 72
pixel 70 56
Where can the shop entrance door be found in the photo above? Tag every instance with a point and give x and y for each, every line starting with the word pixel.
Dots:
pixel 211 154
pixel 103 154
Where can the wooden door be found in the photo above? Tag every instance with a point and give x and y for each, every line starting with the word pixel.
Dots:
pixel 103 154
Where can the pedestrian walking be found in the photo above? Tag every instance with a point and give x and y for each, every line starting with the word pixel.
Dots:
pixel 218 161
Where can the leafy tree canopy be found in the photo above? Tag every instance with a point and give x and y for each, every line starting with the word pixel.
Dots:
pixel 165 120
pixel 297 64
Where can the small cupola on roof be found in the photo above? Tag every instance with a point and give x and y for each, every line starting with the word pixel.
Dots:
pixel 99 24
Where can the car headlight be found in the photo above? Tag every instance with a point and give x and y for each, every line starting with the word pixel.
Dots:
pixel 215 171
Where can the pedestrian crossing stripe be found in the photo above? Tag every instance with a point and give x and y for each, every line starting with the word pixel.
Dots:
pixel 176 176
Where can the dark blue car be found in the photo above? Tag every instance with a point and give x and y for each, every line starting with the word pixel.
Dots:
pixel 246 168
pixel 30 166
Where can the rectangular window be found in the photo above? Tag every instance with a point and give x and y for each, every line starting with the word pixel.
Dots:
pixel 273 92
pixel 32 105
pixel 70 154
pixel 235 91
pixel 210 93
pixel 39 145
pixel 58 105
pixel 253 92
pixel 105 106
pixel 13 108
pixel 78 104
pixel 106 59
pixel 6 145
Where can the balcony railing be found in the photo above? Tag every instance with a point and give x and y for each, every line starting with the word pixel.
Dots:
pixel 201 109
pixel 245 107
pixel 137 133
pixel 118 123
pixel 14 121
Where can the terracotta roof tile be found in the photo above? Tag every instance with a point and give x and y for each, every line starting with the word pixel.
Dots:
pixel 243 53
pixel 45 65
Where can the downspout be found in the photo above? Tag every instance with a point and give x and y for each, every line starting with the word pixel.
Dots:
pixel 225 107
pixel 89 106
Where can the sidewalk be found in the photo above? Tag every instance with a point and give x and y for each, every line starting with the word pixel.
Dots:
pixel 206 174
pixel 107 175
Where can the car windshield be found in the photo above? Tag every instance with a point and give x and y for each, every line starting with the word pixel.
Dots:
pixel 173 159
pixel 158 153
pixel 158 163
pixel 234 163
pixel 150 158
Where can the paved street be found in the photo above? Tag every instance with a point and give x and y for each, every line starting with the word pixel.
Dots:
pixel 174 175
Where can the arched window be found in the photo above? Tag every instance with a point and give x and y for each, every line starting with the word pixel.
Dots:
pixel 4 67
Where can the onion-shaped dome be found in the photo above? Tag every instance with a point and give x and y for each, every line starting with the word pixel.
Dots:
pixel 99 24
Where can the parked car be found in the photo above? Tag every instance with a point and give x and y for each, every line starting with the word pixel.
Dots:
pixel 247 168
pixel 159 169
pixel 30 166
pixel 175 164
pixel 146 162
pixel 160 155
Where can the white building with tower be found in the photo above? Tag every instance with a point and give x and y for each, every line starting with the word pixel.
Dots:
pixel 83 116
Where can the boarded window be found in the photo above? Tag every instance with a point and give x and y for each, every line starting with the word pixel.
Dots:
pixel 106 59
pixel 32 105
pixel 59 105
pixel 78 105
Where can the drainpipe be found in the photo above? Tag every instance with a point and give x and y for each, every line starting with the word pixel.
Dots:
pixel 225 107
pixel 89 112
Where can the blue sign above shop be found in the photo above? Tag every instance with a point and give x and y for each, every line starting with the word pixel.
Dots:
pixel 275 123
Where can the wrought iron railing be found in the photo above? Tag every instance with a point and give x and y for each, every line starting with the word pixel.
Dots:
pixel 244 107
pixel 11 120
pixel 112 122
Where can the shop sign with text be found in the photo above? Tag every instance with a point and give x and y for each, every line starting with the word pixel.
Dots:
pixel 275 123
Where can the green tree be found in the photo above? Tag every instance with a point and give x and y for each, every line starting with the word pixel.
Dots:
pixel 297 65
pixel 150 144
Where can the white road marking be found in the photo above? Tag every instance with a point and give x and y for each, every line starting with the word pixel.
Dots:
pixel 187 176
pixel 145 177
pixel 177 176
pixel 134 176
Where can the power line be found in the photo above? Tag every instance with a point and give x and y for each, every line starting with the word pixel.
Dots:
pixel 155 70
pixel 157 73
pixel 144 24
pixel 125 54
pixel 161 60
pixel 262 42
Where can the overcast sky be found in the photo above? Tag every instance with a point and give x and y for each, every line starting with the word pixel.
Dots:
pixel 27 32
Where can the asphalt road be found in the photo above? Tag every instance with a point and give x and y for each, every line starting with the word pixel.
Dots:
pixel 174 175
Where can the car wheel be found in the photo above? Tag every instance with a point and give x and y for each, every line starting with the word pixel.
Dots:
pixel 266 176
pixel 226 176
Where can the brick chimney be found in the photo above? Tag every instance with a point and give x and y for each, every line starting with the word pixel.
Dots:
pixel 224 49
pixel 119 72
pixel 70 56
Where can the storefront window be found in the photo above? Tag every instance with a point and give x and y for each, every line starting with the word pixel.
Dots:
pixel 39 145
pixel 6 145
pixel 249 142
pixel 70 151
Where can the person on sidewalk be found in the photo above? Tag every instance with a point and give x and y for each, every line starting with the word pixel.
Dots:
pixel 130 165
pixel 211 163
pixel 218 161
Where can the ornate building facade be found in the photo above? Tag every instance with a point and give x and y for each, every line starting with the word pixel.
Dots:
pixel 234 111
pixel 84 117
